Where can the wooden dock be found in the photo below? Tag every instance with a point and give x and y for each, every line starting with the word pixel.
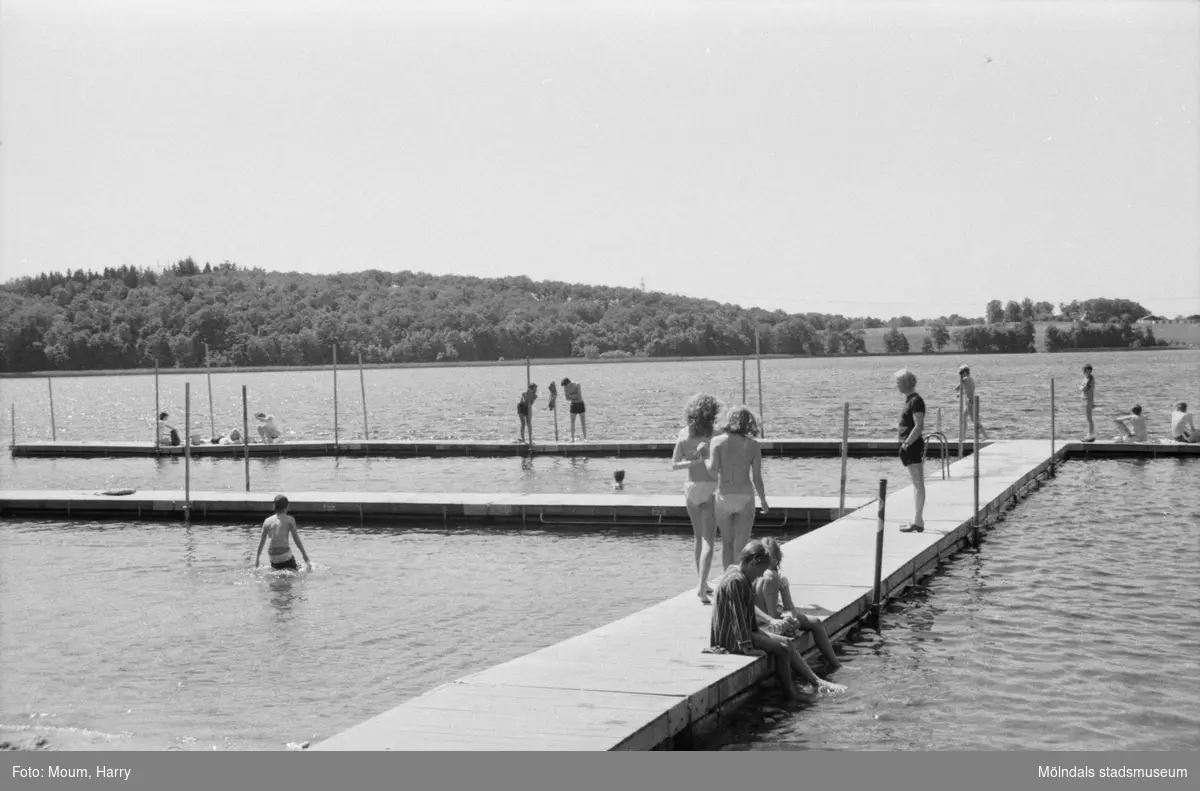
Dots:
pixel 643 682
pixel 584 511
pixel 442 448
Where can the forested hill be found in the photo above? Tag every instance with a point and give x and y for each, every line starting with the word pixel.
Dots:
pixel 130 318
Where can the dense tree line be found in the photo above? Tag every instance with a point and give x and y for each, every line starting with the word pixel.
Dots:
pixel 129 317
pixel 1113 334
pixel 1100 310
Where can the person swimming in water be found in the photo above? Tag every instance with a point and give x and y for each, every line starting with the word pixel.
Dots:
pixel 699 493
pixel 279 527
pixel 619 480
pixel 735 461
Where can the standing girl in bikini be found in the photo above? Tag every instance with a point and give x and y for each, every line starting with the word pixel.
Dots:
pixel 691 449
pixel 735 460
pixel 524 408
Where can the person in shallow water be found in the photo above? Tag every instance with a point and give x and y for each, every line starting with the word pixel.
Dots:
pixel 735 461
pixel 912 445
pixel 776 612
pixel 280 526
pixel 699 493
pixel 734 628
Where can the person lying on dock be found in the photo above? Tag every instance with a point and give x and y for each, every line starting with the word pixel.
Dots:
pixel 524 407
pixel 268 429
pixel 167 434
pixel 735 629
pixel 232 437
pixel 777 614
pixel 1132 427
pixel 1183 425
pixel 280 526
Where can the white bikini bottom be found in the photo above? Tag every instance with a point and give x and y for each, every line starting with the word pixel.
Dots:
pixel 699 492
pixel 731 504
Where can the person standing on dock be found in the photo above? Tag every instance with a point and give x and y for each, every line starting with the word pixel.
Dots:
pixel 525 410
pixel 735 461
pixel 912 445
pixel 967 384
pixel 734 628
pixel 1087 391
pixel 699 493
pixel 573 392
pixel 280 526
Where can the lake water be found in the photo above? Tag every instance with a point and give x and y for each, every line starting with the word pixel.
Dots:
pixel 1074 626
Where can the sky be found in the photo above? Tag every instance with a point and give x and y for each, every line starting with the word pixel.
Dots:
pixel 863 158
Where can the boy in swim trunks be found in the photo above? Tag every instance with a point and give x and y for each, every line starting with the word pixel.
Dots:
pixel 1132 426
pixel 524 408
pixel 280 526
pixel 967 384
pixel 574 394
pixel 1087 391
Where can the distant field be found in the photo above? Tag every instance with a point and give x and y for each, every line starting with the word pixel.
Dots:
pixel 1186 333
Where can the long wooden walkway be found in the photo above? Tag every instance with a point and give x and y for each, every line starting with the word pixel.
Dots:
pixel 434 448
pixel 445 509
pixel 638 683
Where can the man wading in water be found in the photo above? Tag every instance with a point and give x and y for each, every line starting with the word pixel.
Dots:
pixel 281 526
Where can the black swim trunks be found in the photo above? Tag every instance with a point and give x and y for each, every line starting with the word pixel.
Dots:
pixel 290 563
pixel 577 408
pixel 522 408
pixel 913 454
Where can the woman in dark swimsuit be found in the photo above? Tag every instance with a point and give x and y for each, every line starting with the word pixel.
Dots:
pixel 524 410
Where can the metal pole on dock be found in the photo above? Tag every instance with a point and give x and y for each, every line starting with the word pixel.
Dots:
pixel 187 450
pixel 53 429
pixel 212 422
pixel 877 598
pixel 157 412
pixel 528 380
pixel 12 440
pixel 335 405
pixel 1052 437
pixel 362 382
pixel 975 454
pixel 762 421
pixel 743 379
pixel 246 435
pixel 845 452
pixel 962 418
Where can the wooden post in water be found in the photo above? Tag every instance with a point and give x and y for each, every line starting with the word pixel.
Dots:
pixel 53 429
pixel 335 404
pixel 212 422
pixel 362 383
pixel 762 421
pixel 743 379
pixel 1052 437
pixel 246 435
pixel 845 452
pixel 187 451
pixel 12 440
pixel 528 380
pixel 877 598
pixel 975 454
pixel 962 419
pixel 157 412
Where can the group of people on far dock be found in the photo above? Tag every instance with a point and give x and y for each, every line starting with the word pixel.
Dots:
pixel 268 431
pixel 572 391
pixel 1132 426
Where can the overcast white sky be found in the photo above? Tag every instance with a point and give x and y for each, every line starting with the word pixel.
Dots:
pixel 878 158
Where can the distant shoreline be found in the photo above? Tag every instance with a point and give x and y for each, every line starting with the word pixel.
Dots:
pixel 549 361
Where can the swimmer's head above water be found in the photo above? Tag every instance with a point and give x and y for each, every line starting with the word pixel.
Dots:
pixel 619 477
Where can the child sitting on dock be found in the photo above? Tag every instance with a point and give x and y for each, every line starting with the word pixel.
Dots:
pixel 167 434
pixel 780 617
pixel 1132 426
pixel 735 629
pixel 280 526
pixel 268 429
pixel 1183 425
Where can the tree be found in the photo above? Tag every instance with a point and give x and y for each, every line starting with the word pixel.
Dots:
pixel 1027 309
pixel 995 312
pixel 927 345
pixel 1012 311
pixel 940 335
pixel 895 341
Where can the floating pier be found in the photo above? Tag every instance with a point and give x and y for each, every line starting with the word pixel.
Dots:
pixel 590 511
pixel 437 448
pixel 644 683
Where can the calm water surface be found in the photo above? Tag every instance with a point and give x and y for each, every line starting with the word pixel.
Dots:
pixel 1075 626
